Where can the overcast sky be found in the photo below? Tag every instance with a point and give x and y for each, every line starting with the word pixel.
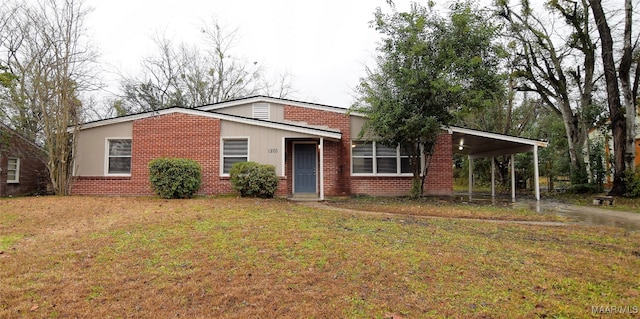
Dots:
pixel 325 45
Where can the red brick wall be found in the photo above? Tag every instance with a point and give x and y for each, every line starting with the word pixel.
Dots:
pixel 337 163
pixel 171 135
pixel 197 138
pixel 439 177
pixel 288 172
pixel 380 186
pixel 33 175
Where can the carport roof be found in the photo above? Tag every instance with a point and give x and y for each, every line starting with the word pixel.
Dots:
pixel 478 144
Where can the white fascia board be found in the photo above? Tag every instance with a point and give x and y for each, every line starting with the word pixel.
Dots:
pixel 495 136
pixel 286 127
pixel 508 151
pixel 115 120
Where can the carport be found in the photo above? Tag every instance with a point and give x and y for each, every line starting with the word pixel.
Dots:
pixel 479 144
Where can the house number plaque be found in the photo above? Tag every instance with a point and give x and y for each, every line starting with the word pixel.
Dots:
pixel 272 151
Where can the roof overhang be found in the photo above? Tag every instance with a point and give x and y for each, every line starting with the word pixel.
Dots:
pixel 268 99
pixel 479 144
pixel 325 133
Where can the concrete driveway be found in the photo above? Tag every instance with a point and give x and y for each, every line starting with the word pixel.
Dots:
pixel 588 215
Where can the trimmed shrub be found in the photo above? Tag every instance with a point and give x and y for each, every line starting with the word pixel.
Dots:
pixel 175 177
pixel 252 179
pixel 632 184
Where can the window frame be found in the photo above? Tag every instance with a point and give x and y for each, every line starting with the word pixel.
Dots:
pixel 374 156
pixel 108 156
pixel 16 178
pixel 222 155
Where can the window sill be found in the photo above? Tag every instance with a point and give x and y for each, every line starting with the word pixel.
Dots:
pixel 102 178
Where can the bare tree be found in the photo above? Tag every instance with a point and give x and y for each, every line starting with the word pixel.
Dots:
pixel 234 78
pixel 160 85
pixel 622 116
pixel 48 52
pixel 280 87
pixel 190 76
pixel 560 68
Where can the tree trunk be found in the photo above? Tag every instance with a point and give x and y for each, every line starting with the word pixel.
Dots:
pixel 617 113
pixel 625 86
pixel 575 142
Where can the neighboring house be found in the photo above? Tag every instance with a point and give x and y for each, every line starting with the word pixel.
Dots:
pixel 22 165
pixel 314 148
pixel 604 137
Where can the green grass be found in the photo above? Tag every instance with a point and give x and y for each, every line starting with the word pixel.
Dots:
pixel 8 241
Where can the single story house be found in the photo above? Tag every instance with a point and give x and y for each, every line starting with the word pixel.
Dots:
pixel 314 148
pixel 23 169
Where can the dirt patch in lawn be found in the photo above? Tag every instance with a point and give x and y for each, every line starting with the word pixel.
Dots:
pixel 67 257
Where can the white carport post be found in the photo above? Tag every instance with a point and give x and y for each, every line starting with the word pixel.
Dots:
pixel 470 175
pixel 493 178
pixel 536 178
pixel 513 178
pixel 321 146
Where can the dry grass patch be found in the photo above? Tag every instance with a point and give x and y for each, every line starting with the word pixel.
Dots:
pixel 242 258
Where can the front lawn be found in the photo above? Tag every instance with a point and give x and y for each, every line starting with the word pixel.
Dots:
pixel 102 257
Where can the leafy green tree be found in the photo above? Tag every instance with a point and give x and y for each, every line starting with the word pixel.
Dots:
pixel 427 67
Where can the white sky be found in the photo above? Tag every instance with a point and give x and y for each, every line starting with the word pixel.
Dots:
pixel 325 45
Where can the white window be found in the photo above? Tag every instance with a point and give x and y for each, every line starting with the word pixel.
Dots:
pixel 119 157
pixel 371 158
pixel 234 151
pixel 13 170
pixel 261 111
pixel 362 157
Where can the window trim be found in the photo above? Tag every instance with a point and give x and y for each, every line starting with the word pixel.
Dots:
pixel 107 157
pixel 16 179
pixel 375 161
pixel 228 138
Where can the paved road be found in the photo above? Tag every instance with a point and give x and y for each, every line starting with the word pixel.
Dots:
pixel 589 215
